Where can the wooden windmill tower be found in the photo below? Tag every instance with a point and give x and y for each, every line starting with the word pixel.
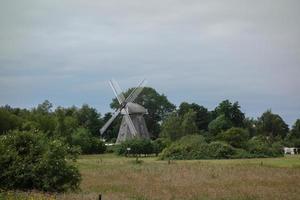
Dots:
pixel 133 123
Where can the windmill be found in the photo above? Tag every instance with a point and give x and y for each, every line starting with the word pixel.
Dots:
pixel 133 123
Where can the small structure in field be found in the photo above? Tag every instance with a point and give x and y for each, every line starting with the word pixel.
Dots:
pixel 291 150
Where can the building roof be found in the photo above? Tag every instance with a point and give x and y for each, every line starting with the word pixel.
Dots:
pixel 134 108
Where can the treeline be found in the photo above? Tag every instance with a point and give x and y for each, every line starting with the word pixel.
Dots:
pixel 80 126
pixel 195 119
pixel 225 132
pixel 38 145
pixel 75 126
pixel 194 132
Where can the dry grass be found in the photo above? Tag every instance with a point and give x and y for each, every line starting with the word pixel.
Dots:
pixel 120 178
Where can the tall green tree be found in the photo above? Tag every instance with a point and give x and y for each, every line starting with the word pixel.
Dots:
pixel 188 124
pixel 90 119
pixel 231 111
pixel 236 137
pixel 171 127
pixel 295 132
pixel 44 107
pixel 9 121
pixel 203 116
pixel 158 107
pixel 272 125
pixel 221 123
pixel 251 125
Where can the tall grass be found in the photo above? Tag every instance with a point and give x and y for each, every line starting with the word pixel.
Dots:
pixel 245 179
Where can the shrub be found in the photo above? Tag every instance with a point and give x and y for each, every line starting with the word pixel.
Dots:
pixel 30 161
pixel 260 146
pixel 97 146
pixel 220 150
pixel 236 137
pixel 137 147
pixel 188 147
pixel 159 145
pixel 242 153
pixel 221 123
pixel 112 148
pixel 88 143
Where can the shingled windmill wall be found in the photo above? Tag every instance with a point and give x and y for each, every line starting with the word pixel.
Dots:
pixel 139 124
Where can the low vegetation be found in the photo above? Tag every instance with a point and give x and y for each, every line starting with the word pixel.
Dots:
pixel 38 145
pixel 195 147
pixel 30 161
pixel 118 177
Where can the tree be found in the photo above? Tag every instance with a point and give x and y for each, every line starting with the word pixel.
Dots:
pixel 188 124
pixel 251 125
pixel 236 137
pixel 272 125
pixel 89 118
pixel 203 117
pixel 171 127
pixel 221 123
pixel 61 129
pixel 158 107
pixel 231 112
pixel 9 121
pixel 295 132
pixel 45 107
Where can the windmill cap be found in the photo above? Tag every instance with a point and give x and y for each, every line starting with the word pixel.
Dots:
pixel 134 108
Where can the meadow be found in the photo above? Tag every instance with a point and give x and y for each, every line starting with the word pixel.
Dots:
pixel 242 179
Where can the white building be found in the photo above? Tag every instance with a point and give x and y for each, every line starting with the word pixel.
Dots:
pixel 292 150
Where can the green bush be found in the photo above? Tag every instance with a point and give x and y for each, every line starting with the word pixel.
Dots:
pixel 112 149
pixel 242 153
pixel 195 147
pixel 188 147
pixel 198 150
pixel 159 145
pixel 221 123
pixel 88 143
pixel 29 160
pixel 261 146
pixel 220 150
pixel 236 137
pixel 136 146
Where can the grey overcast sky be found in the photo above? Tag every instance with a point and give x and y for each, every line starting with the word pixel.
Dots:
pixel 195 51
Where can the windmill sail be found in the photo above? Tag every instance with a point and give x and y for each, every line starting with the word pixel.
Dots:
pixel 132 113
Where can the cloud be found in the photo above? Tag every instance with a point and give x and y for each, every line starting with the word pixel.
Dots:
pixel 202 51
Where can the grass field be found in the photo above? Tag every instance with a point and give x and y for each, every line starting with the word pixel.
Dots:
pixel 122 178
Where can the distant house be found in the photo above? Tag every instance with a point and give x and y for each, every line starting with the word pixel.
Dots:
pixel 291 150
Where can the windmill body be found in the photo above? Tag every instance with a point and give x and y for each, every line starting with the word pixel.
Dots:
pixel 136 113
pixel 133 123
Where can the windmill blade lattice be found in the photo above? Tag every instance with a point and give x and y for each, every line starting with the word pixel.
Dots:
pixel 128 109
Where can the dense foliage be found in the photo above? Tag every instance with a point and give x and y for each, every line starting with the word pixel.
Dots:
pixel 224 127
pixel 28 160
pixel 196 147
pixel 74 126
pixel 138 147
pixel 37 145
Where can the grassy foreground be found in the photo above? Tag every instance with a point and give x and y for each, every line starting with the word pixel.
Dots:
pixel 122 178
